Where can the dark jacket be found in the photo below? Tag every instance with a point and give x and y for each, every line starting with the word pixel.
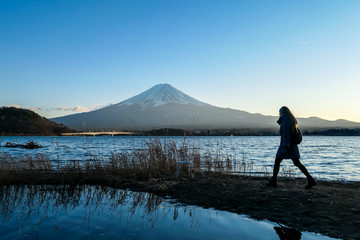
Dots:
pixel 287 149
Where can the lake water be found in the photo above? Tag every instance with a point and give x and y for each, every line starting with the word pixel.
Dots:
pixel 59 212
pixel 335 158
pixel 50 212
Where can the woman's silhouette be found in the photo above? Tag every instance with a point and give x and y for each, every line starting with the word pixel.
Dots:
pixel 288 149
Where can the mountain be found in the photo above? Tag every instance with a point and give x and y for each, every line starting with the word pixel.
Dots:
pixel 17 121
pixel 164 106
pixel 161 94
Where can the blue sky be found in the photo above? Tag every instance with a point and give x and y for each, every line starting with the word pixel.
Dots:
pixel 62 57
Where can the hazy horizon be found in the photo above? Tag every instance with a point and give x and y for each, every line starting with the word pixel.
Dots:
pixel 65 57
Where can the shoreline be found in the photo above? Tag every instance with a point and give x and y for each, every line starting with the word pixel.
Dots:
pixel 325 132
pixel 331 208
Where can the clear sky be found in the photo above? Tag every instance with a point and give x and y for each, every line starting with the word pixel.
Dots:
pixel 61 57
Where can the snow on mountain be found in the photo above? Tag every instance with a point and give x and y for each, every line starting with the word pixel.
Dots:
pixel 161 94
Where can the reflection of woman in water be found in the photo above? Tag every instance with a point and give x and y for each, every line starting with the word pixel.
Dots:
pixel 288 149
pixel 286 233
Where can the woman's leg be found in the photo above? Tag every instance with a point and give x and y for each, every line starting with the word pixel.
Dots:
pixel 275 172
pixel 276 167
pixel 311 181
pixel 303 169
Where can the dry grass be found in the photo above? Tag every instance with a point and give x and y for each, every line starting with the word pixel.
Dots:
pixel 156 160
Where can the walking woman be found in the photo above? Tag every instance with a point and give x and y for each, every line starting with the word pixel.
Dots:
pixel 288 149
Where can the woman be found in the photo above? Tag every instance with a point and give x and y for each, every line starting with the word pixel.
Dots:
pixel 288 149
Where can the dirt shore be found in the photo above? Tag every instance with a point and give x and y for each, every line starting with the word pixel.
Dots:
pixel 331 208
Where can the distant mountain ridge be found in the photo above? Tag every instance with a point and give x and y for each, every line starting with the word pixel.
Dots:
pixel 164 106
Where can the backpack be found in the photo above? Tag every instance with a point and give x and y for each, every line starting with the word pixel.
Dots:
pixel 296 136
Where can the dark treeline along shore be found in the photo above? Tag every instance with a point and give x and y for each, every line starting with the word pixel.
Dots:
pixel 331 208
pixel 250 132
pixel 17 121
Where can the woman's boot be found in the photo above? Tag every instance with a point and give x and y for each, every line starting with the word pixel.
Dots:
pixel 272 182
pixel 311 183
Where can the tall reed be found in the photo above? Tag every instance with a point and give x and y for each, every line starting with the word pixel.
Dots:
pixel 158 158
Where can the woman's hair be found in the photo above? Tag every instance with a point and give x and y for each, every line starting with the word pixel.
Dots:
pixel 286 110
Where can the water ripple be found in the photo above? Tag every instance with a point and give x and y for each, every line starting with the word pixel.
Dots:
pixel 326 157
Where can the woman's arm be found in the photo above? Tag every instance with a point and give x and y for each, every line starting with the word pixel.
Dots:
pixel 286 134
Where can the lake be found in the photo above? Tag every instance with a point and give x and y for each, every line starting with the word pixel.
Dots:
pixel 61 212
pixel 87 212
pixel 334 158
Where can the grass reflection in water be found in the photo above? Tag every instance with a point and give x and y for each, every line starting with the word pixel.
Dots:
pixel 39 210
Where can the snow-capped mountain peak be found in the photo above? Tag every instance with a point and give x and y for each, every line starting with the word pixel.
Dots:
pixel 159 95
pixel 182 112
